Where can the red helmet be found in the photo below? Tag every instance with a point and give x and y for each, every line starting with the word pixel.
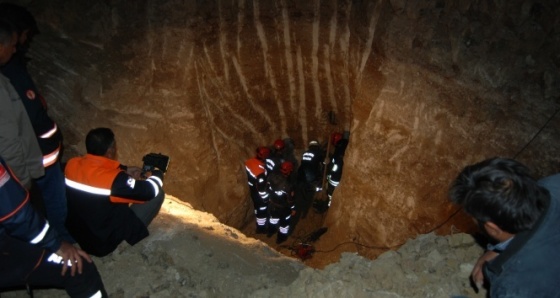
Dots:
pixel 286 168
pixel 263 152
pixel 279 144
pixel 335 137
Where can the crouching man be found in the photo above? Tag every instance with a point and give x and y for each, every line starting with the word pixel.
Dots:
pixel 31 251
pixel 522 216
pixel 109 202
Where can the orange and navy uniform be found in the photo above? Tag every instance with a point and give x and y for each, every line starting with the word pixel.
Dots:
pixel 18 219
pixel 29 245
pixel 256 176
pixel 99 193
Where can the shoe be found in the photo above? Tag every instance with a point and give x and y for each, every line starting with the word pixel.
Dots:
pixel 281 238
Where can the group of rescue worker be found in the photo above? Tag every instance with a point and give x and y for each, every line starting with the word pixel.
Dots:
pixel 281 187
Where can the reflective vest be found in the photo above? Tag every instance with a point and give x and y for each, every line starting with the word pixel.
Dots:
pixel 256 176
pixel 94 175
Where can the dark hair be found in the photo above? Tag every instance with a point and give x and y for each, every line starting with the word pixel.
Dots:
pixel 502 191
pixel 98 140
pixel 7 31
pixel 20 17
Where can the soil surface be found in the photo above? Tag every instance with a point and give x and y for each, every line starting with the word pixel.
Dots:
pixel 191 254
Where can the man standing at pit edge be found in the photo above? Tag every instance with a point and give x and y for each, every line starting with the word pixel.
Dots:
pixel 46 131
pixel 522 216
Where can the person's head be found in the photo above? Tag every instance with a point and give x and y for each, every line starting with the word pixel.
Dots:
pixel 101 142
pixel 313 144
pixel 263 152
pixel 23 20
pixel 336 137
pixel 8 40
pixel 499 192
pixel 279 145
pixel 286 168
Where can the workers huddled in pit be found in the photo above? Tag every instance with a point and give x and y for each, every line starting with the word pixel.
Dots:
pixel 280 189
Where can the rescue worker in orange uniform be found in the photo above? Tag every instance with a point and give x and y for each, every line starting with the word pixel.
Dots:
pixel 31 251
pixel 46 131
pixel 108 202
pixel 282 204
pixel 256 178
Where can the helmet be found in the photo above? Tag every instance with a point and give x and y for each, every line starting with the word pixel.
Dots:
pixel 286 168
pixel 313 143
pixel 335 137
pixel 279 144
pixel 263 152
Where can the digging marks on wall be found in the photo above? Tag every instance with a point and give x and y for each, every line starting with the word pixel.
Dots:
pixel 283 79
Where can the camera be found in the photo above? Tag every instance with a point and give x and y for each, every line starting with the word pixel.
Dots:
pixel 153 161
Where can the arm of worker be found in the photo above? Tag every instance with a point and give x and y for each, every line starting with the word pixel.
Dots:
pixel 262 187
pixel 18 217
pixel 21 221
pixel 137 190
pixel 134 172
pixel 476 274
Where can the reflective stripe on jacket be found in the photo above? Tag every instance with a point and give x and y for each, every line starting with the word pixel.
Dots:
pixel 18 218
pixel 256 176
pixel 46 132
pixel 99 193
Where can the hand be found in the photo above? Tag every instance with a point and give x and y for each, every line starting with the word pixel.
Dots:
pixel 476 274
pixel 293 213
pixel 135 172
pixel 73 255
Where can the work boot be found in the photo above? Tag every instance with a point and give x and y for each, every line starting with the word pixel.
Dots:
pixel 261 230
pixel 281 238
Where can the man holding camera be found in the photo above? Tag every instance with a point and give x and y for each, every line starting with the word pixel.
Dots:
pixel 109 202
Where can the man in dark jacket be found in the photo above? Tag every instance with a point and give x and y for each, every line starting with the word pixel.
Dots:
pixel 281 206
pixel 334 170
pixel 108 202
pixel 32 253
pixel 521 216
pixel 309 177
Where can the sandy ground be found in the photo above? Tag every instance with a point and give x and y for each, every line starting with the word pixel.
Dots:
pixel 190 254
